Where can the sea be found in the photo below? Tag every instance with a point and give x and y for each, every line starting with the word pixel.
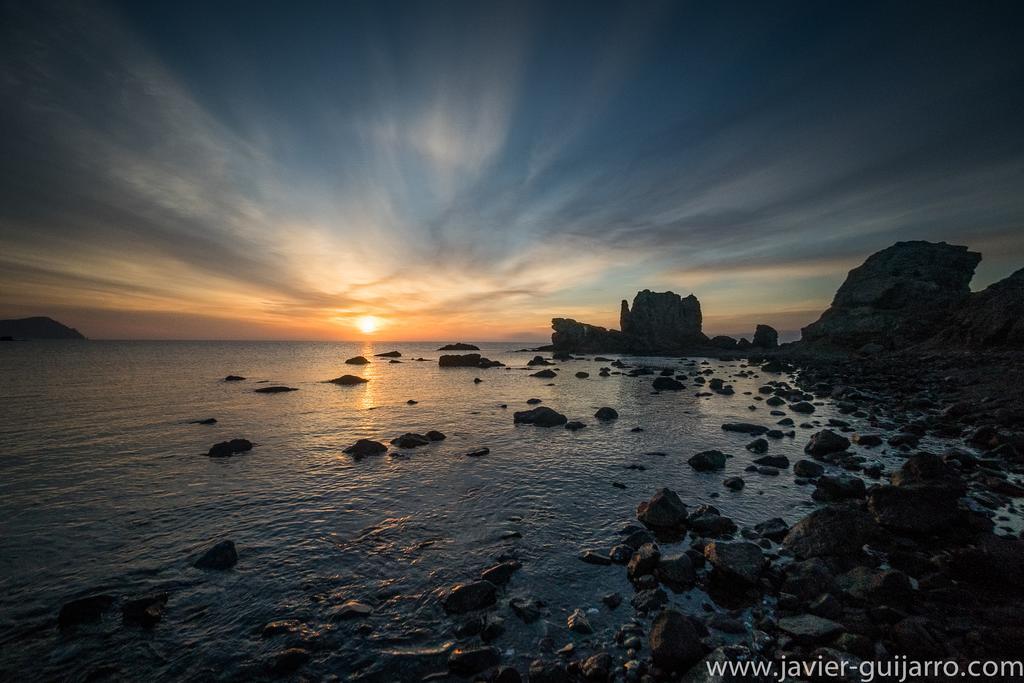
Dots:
pixel 106 488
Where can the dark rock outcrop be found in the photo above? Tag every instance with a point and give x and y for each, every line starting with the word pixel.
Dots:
pixel 899 296
pixel 467 360
pixel 765 337
pixel 993 317
pixel 577 337
pixel 348 380
pixel 541 416
pixel 225 449
pixel 459 346
pixel 220 557
pixel 39 327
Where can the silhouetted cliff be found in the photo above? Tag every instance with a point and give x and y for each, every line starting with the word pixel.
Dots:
pixel 39 327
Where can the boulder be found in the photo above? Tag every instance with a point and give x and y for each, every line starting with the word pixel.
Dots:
pixel 466 360
pixel 899 296
pixel 839 487
pixel 144 611
pixel 668 384
pixel 459 346
pixel 228 448
pixel 84 610
pixel 833 530
pixel 366 447
pixel 826 441
pixel 389 354
pixel 662 321
pixel 606 413
pixel 740 560
pixel 220 557
pixel 541 416
pixel 674 641
pixel 663 511
pixel 808 629
pixel 705 461
pixel 472 660
pixel 357 360
pixel 467 597
pixel 348 380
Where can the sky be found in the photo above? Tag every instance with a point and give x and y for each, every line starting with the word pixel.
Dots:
pixel 448 170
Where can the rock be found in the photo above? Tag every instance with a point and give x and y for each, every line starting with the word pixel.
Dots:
pixel 993 317
pixel 663 511
pixel 351 609
pixel 541 416
pixel 205 421
pixel 145 611
pixel 612 600
pixel 435 435
pixel 538 360
pixel 84 610
pixel 899 296
pixel 667 384
pixel 826 441
pixel 468 360
pixel 802 407
pixel 583 338
pixel 220 557
pixel 478 452
pixel 234 378
pixel 577 622
pixel 459 346
pixel 501 573
pixel 547 672
pixel 410 440
pixel 472 660
pixel 705 461
pixel 545 374
pixel 527 609
pixel 389 354
pixel 467 597
pixel 916 509
pixel 833 530
pixel 722 342
pixel 229 448
pixel 808 469
pixel 674 642
pixel 677 570
pixel 808 629
pixel 740 560
pixel 592 557
pixel 876 586
pixel 744 428
pixel 662 321
pixel 776 461
pixel 649 600
pixel 357 360
pixel 274 390
pixel 759 445
pixel 840 487
pixel 597 667
pixel 348 380
pixel 765 337
pixel 366 447
pixel 734 483
pixel 707 521
pixel 288 661
pixel 606 413
pixel 574 426
pixel 582 375
pixel 644 561
pixel 867 440
pixel 774 528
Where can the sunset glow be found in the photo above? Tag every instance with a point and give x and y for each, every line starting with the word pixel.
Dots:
pixel 368 324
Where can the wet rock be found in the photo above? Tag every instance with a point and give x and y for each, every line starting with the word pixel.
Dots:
pixel 808 629
pixel 351 609
pixel 826 441
pixel 774 528
pixel 867 440
pixel 459 346
pixel 802 407
pixel 833 530
pixel 744 428
pixel 649 600
pixel 366 447
pixel 466 360
pixel 478 452
pixel 913 509
pixel 663 511
pixel 612 600
pixel 389 354
pixel 643 561
pixel 472 660
pixel 228 448
pixel 758 446
pixel 205 421
pixel 677 570
pixel 274 390
pixel 839 487
pixel 348 380
pixel 501 573
pixel 538 360
pixel 776 461
pixel 84 610
pixel 739 560
pixel 574 426
pixel 542 671
pixel 597 667
pixel 808 469
pixel 506 674
pixel 541 416
pixel 577 622
pixel 222 556
pixel 592 557
pixel 357 360
pixel 826 606
pixel 867 584
pixel 620 554
pixel 606 413
pixel 582 375
pixel 912 638
pixel 410 440
pixel 808 579
pixel 674 642
pixel 528 610
pixel 734 483
pixel 544 374
pixel 234 378
pixel 145 611
pixel 706 461
pixel 467 597
pixel 708 521
pixel 668 384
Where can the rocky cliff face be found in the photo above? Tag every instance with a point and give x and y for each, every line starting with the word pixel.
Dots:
pixel 993 317
pixel 39 327
pixel 898 297
pixel 578 337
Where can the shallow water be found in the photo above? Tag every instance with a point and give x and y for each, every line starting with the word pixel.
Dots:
pixel 105 487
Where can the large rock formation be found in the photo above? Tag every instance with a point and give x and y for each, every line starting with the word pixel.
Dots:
pixel 39 327
pixel 989 318
pixel 658 322
pixel 899 296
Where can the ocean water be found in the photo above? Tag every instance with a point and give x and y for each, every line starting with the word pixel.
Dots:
pixel 105 488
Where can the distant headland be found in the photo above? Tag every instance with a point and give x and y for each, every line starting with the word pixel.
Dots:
pixel 38 327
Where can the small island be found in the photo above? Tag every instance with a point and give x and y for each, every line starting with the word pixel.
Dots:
pixel 37 327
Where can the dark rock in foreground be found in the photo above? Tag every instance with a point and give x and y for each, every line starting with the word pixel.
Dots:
pixel 834 530
pixel 674 641
pixel 220 557
pixel 765 337
pixel 663 511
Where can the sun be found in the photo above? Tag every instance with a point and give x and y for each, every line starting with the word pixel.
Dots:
pixel 368 324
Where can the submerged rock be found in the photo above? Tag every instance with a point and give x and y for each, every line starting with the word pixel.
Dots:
pixel 606 413
pixel 357 360
pixel 366 447
pixel 220 557
pixel 84 610
pixel 541 416
pixel 348 380
pixel 706 461
pixel 467 597
pixel 234 378
pixel 228 448
pixel 668 384
pixel 274 390
pixel 145 611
